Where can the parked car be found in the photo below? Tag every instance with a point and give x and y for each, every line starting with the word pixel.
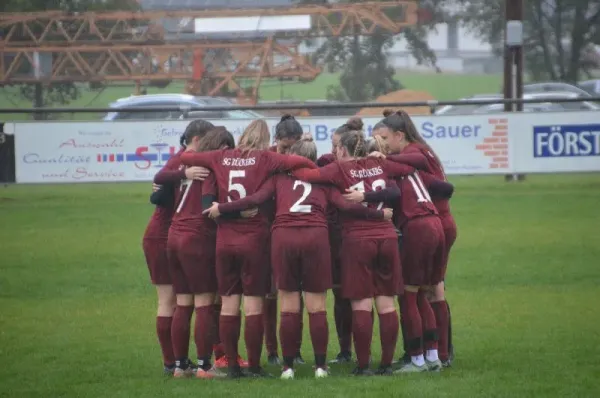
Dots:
pixel 591 86
pixel 544 107
pixel 553 87
pixel 174 100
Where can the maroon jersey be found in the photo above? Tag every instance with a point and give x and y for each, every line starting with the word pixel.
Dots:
pixel 324 160
pixel 188 217
pixel 169 175
pixel 299 203
pixel 335 229
pixel 415 200
pixel 239 174
pixel 365 175
pixel 435 168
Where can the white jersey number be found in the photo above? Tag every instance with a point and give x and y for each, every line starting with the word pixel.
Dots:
pixel 187 185
pixel 298 207
pixel 377 184
pixel 237 187
pixel 419 187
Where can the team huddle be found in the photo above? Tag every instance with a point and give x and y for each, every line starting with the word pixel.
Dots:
pixel 280 227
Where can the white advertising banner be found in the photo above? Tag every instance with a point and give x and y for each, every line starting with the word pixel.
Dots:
pixel 471 144
pixel 566 142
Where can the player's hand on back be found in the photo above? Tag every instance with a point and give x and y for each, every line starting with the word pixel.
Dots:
pixel 388 214
pixel 249 213
pixel 196 173
pixel 156 187
pixel 377 155
pixel 354 196
pixel 213 211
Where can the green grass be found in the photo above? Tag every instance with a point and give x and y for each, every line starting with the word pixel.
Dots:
pixel 442 86
pixel 77 310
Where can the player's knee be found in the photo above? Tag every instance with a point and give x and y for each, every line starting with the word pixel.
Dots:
pixel 384 304
pixel 203 300
pixel 253 305
pixel 230 305
pixel 315 302
pixel 289 301
pixel 166 299
pixel 362 305
pixel 437 292
pixel 185 300
pixel 411 288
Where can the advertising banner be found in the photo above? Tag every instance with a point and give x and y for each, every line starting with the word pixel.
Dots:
pixel 467 144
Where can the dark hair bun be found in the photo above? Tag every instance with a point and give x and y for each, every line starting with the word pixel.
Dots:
pixel 388 112
pixel 287 116
pixel 355 123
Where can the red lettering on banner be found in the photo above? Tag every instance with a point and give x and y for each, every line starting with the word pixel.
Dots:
pixel 72 143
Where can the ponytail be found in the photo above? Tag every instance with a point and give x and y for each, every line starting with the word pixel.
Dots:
pixel 400 121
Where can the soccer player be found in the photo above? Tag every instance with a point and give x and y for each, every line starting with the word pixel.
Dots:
pixel 300 252
pixel 154 244
pixel 243 245
pixel 342 310
pixel 391 129
pixel 190 248
pixel 370 259
pixel 287 132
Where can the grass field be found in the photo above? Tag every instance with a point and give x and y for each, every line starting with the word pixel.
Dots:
pixel 77 310
pixel 441 86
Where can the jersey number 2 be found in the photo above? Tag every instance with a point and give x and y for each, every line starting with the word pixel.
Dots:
pixel 298 207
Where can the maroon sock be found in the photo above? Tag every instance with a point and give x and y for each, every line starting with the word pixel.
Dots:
pixel 270 318
pixel 203 333
pixel 289 329
pixel 412 320
pixel 342 313
pixel 217 346
pixel 319 334
pixel 441 318
pixel 180 331
pixel 299 342
pixel 229 328
pixel 362 329
pixel 388 333
pixel 430 338
pixel 253 335
pixel 163 331
pixel 403 325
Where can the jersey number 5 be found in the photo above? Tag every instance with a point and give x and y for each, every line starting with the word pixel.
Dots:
pixel 298 207
pixel 236 186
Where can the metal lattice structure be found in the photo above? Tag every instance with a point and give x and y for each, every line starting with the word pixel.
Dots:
pixel 143 46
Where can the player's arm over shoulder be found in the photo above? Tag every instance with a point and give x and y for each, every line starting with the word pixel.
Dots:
pixel 436 187
pixel 171 172
pixel 355 209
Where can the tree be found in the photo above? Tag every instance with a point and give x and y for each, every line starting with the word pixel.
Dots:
pixel 363 62
pixel 43 95
pixel 558 34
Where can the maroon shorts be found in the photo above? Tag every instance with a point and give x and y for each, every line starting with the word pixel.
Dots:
pixel 370 268
pixel 192 263
pixel 449 226
pixel 243 268
pixel 335 243
pixel 423 257
pixel 155 251
pixel 301 259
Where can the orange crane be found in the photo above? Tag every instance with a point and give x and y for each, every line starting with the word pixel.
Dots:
pixel 105 47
